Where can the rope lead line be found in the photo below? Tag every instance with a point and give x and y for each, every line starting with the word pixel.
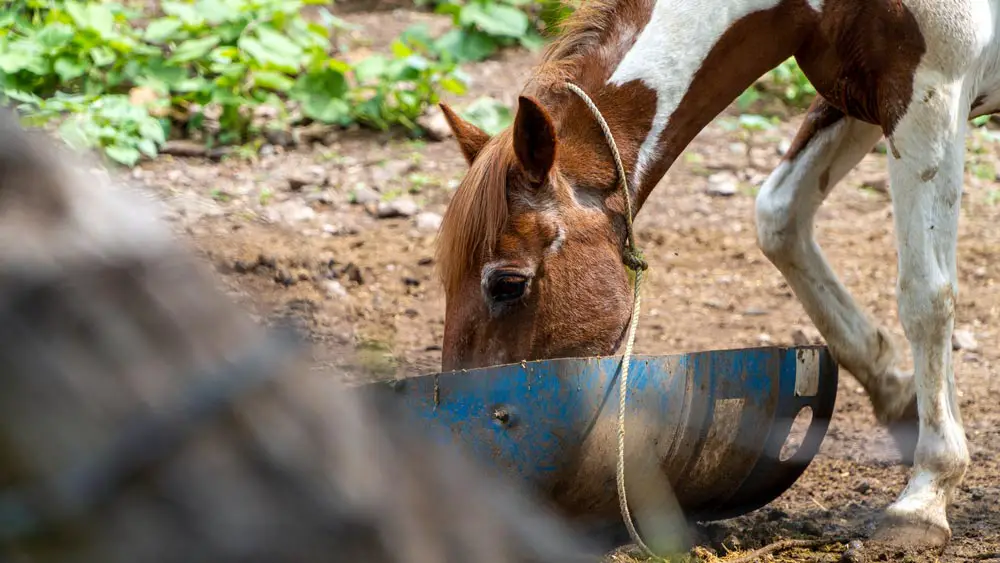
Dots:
pixel 634 261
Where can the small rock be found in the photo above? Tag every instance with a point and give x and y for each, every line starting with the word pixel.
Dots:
pixel 290 212
pixel 353 273
pixel 863 487
pixel 323 196
pixel 806 336
pixel 363 195
pixel 314 176
pixel 411 282
pixel 764 338
pixel 281 137
pixel 811 528
pixel 776 514
pixel 402 207
pixel 434 124
pixel 391 171
pixel 963 340
pixel 722 184
pixel 334 289
pixel 853 553
pixel 425 261
pixel 428 221
pixel 754 312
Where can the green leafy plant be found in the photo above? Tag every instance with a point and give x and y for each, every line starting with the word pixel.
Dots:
pixel 483 27
pixel 223 70
pixel 490 115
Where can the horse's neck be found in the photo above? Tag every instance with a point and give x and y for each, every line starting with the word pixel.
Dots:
pixel 689 61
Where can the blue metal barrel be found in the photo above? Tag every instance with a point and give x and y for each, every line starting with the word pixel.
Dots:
pixel 714 423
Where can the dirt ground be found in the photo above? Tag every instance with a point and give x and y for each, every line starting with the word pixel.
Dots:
pixel 290 242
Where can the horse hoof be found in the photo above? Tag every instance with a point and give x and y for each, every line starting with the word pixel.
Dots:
pixel 904 431
pixel 911 533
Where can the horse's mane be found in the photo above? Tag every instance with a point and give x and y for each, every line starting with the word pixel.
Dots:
pixel 477 212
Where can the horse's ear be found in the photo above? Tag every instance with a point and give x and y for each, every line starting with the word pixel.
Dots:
pixel 471 139
pixel 534 139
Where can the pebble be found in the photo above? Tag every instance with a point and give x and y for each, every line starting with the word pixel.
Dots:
pixel 764 338
pixel 402 207
pixel 963 340
pixel 853 553
pixel 721 184
pixel 312 176
pixel 863 487
pixel 363 195
pixel 290 212
pixel 393 170
pixel 434 124
pixel 335 289
pixel 806 336
pixel 428 221
pixel 353 273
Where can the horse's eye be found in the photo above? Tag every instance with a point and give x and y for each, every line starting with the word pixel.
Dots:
pixel 506 287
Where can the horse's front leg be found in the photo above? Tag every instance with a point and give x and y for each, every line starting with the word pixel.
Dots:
pixel 828 145
pixel 926 181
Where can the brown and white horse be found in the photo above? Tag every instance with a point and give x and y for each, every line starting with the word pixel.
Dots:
pixel 531 245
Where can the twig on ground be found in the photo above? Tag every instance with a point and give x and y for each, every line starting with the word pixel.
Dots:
pixel 782 545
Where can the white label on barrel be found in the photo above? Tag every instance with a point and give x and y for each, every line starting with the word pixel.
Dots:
pixel 806 373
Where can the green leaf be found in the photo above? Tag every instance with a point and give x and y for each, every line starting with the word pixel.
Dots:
pixel 69 68
pixel 186 12
pixel 54 36
pixel 280 45
pixel 161 76
pixel 152 129
pixel 263 56
pixel 13 62
pixel 495 19
pixel 21 96
pixel 75 135
pixel 369 68
pixel 322 96
pixel 147 147
pixel 463 46
pixel 162 30
pixel 490 115
pixel 218 11
pixel 272 81
pixel 453 85
pixel 123 154
pixel 194 49
pixel 102 56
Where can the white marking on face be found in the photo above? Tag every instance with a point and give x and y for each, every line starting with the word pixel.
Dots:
pixel 671 49
pixel 557 243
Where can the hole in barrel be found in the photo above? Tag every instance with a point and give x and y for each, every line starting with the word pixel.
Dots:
pixel 797 433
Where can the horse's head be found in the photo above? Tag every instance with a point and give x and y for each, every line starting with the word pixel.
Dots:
pixel 530 250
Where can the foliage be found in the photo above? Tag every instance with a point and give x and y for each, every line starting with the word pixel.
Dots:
pixel 483 27
pixel 206 65
pixel 490 115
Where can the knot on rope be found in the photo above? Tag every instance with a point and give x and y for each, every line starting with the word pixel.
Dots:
pixel 634 260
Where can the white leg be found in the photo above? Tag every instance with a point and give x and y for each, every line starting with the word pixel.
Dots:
pixel 827 147
pixel 926 189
